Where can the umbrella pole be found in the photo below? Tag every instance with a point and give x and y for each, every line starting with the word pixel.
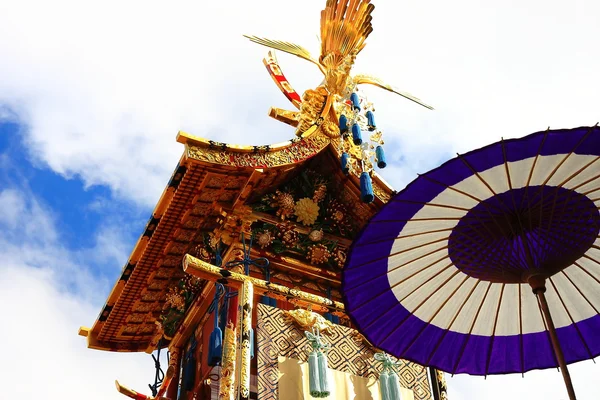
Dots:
pixel 539 290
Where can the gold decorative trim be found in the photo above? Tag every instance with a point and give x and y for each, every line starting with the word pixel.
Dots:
pixel 204 270
pixel 287 153
pixel 245 360
pixel 227 382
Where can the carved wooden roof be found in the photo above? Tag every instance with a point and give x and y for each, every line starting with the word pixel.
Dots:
pixel 211 180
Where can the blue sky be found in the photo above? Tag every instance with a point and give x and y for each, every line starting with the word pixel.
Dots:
pixel 92 96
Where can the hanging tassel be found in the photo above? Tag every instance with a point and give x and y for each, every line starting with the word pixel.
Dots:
pixel 371 120
pixel 215 347
pixel 366 188
pixel 384 385
pixel 355 101
pixel 356 135
pixel 314 384
pixel 343 124
pixel 380 156
pixel 215 343
pixel 322 360
pixel 189 370
pixel 393 386
pixel 345 165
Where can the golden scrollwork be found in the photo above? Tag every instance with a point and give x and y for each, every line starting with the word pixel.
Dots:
pixel 381 193
pixel 227 382
pixel 204 270
pixel 294 152
pixel 246 304
pixel 307 320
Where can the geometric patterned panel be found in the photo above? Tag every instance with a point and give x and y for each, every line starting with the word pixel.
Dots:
pixel 278 336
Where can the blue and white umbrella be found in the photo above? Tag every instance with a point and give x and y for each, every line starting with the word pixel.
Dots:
pixel 457 271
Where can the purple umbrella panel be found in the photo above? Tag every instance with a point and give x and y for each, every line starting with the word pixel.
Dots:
pixel 440 276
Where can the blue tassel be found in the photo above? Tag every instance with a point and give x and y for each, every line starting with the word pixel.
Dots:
pixel 371 120
pixel 366 188
pixel 393 386
pixel 356 135
pixel 345 167
pixel 215 342
pixel 327 316
pixel 343 124
pixel 355 101
pixel 335 319
pixel 215 347
pixel 314 384
pixel 380 156
pixel 384 385
pixel 322 361
pixel 265 300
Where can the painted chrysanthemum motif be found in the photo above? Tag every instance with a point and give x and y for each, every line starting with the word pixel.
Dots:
pixel 318 254
pixel 174 300
pixel 202 253
pixel 339 257
pixel 287 234
pixel 320 193
pixel 265 239
pixel 307 211
pixel 285 204
pixel 316 235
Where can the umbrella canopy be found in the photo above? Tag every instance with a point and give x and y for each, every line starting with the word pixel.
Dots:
pixel 443 274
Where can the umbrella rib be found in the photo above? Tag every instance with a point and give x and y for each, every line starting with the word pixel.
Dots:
pixel 415 220
pixel 464 346
pixel 474 171
pixel 537 156
pixel 583 138
pixel 580 292
pixel 506 164
pixel 489 357
pixel 512 197
pixel 430 179
pixel 585 183
pixel 585 270
pixel 416 336
pixel 402 237
pixel 364 328
pixel 403 251
pixel 423 203
pixel 578 172
pixel 412 312
pixel 406 278
pixel 453 320
pixel 571 318
pixel 486 205
pixel 403 265
pixel 505 208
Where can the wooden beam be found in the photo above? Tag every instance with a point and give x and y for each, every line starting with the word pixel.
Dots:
pixel 204 270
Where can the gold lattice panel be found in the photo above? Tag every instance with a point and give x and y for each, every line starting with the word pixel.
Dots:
pixel 278 336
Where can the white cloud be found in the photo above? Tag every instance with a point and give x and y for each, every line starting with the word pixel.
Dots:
pixel 104 88
pixel 46 296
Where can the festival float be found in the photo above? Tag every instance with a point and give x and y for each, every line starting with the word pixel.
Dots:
pixel 238 274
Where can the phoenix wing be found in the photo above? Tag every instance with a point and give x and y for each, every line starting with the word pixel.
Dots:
pixel 287 47
pixel 345 25
pixel 371 80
